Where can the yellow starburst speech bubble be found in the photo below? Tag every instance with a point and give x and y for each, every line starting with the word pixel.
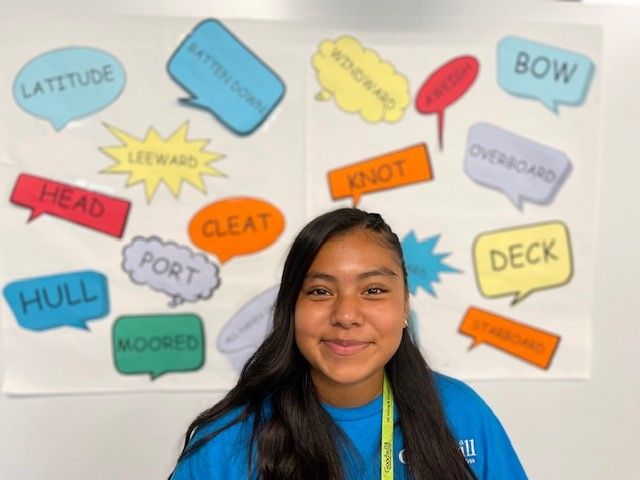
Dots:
pixel 154 159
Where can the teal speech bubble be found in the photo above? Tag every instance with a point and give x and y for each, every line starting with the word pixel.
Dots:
pixel 157 344
pixel 543 72
pixel 68 83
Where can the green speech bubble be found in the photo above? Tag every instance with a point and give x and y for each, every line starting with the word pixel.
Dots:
pixel 157 344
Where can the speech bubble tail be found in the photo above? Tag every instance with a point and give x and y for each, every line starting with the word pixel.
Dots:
pixel 150 189
pixel 518 297
pixel 474 344
pixel 223 258
pixel 81 326
pixel 440 128
pixel 58 124
pixel 324 95
pixel 176 301
pixel 188 101
pixel 35 213
pixel 516 200
pixel 194 102
pixel 154 375
pixel 551 105
pixel 355 199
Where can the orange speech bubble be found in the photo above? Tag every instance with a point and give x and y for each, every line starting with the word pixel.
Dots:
pixel 402 167
pixel 236 226
pixel 525 342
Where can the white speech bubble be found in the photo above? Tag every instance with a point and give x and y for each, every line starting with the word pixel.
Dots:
pixel 518 167
pixel 247 328
pixel 170 268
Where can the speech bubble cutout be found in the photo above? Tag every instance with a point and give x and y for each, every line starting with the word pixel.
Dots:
pixel 225 77
pixel 530 344
pixel 423 264
pixel 446 85
pixel 543 72
pixel 360 81
pixel 391 170
pixel 170 268
pixel 518 167
pixel 96 211
pixel 153 159
pixel 157 344
pixel 240 337
pixel 522 260
pixel 72 299
pixel 236 226
pixel 68 83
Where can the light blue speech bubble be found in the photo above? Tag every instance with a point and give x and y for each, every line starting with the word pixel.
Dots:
pixel 224 77
pixel 68 83
pixel 66 299
pixel 517 166
pixel 424 265
pixel 549 74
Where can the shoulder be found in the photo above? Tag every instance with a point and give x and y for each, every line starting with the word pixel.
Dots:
pixel 480 435
pixel 455 393
pixel 464 409
pixel 226 453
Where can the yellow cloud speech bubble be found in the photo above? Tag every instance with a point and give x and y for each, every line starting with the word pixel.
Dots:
pixel 523 259
pixel 360 81
pixel 153 160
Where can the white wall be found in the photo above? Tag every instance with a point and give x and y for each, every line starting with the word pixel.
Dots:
pixel 562 430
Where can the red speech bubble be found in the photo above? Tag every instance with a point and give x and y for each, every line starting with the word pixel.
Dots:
pixel 84 207
pixel 446 85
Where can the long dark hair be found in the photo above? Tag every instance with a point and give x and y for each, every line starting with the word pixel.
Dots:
pixel 298 439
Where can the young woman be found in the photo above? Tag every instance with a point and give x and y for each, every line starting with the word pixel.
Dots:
pixel 338 390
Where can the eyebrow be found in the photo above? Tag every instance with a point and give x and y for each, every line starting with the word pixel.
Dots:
pixel 361 276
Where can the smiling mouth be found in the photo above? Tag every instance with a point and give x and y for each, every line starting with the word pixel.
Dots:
pixel 345 348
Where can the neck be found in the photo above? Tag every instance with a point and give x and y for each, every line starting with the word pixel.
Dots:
pixel 347 395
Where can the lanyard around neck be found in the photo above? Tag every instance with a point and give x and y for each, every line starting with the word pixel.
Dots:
pixel 386 442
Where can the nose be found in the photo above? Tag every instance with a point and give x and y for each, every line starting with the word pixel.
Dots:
pixel 346 312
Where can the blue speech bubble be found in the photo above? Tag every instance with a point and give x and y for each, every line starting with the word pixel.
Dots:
pixel 423 264
pixel 66 299
pixel 224 77
pixel 68 83
pixel 546 73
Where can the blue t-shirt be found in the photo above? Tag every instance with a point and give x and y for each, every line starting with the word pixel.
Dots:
pixel 482 440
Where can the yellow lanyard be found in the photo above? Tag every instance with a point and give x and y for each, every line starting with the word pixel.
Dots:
pixel 386 442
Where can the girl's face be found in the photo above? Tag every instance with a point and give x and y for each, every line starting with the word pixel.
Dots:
pixel 350 315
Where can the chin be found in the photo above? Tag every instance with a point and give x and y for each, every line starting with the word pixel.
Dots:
pixel 347 376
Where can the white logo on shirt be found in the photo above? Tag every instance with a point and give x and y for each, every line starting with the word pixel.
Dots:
pixel 467 447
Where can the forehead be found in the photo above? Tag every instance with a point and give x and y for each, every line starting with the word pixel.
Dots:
pixel 356 247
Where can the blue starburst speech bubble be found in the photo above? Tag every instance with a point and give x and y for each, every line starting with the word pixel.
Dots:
pixel 423 264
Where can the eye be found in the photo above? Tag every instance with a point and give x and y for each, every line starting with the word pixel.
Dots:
pixel 375 290
pixel 318 292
